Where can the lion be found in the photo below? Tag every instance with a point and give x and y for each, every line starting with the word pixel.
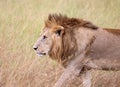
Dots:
pixel 79 46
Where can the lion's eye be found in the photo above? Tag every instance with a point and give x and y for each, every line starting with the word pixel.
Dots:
pixel 44 37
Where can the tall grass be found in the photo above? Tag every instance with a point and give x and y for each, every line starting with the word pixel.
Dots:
pixel 20 24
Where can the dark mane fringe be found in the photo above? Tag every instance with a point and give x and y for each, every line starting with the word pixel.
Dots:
pixel 66 22
pixel 64 48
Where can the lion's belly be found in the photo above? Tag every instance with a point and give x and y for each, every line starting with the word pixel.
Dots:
pixel 106 64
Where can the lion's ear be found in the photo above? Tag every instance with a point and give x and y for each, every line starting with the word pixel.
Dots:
pixel 59 30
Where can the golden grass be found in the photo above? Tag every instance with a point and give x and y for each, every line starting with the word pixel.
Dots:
pixel 20 24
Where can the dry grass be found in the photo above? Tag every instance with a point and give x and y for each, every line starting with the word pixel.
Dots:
pixel 20 24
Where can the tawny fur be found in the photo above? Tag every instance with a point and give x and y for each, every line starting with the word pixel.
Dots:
pixel 80 47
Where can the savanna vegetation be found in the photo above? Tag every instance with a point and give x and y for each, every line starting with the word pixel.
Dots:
pixel 20 24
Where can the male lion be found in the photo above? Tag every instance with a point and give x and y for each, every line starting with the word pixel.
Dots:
pixel 79 46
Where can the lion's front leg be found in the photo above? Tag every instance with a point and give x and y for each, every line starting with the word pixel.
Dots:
pixel 86 78
pixel 68 75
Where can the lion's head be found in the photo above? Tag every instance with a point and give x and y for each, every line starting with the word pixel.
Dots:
pixel 57 37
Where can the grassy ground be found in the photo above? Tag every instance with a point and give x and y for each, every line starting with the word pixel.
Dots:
pixel 20 24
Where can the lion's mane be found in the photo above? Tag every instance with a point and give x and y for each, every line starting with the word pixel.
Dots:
pixel 65 48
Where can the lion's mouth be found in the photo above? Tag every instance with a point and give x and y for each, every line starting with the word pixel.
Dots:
pixel 41 54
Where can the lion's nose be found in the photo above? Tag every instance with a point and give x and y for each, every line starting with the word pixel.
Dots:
pixel 35 48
